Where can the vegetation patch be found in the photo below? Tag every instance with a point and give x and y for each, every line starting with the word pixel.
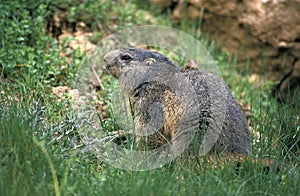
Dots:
pixel 41 151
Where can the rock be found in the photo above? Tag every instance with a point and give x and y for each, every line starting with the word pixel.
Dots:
pixel 265 33
pixel 60 91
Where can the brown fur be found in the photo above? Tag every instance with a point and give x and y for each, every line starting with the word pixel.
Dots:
pixel 130 65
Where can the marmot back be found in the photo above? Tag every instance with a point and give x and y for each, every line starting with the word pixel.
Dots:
pixel 128 64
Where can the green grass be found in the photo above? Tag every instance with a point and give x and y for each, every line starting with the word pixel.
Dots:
pixel 31 166
pixel 39 153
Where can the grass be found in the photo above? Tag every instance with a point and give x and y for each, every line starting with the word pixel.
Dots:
pixel 39 144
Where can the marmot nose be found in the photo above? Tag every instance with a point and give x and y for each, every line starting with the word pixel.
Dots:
pixel 109 57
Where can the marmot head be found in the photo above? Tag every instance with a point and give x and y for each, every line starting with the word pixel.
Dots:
pixel 125 58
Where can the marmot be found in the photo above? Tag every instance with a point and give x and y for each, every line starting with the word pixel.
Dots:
pixel 142 72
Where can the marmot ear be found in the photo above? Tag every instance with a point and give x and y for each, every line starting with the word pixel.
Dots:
pixel 149 61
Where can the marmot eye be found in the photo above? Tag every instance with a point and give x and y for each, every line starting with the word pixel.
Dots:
pixel 126 57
